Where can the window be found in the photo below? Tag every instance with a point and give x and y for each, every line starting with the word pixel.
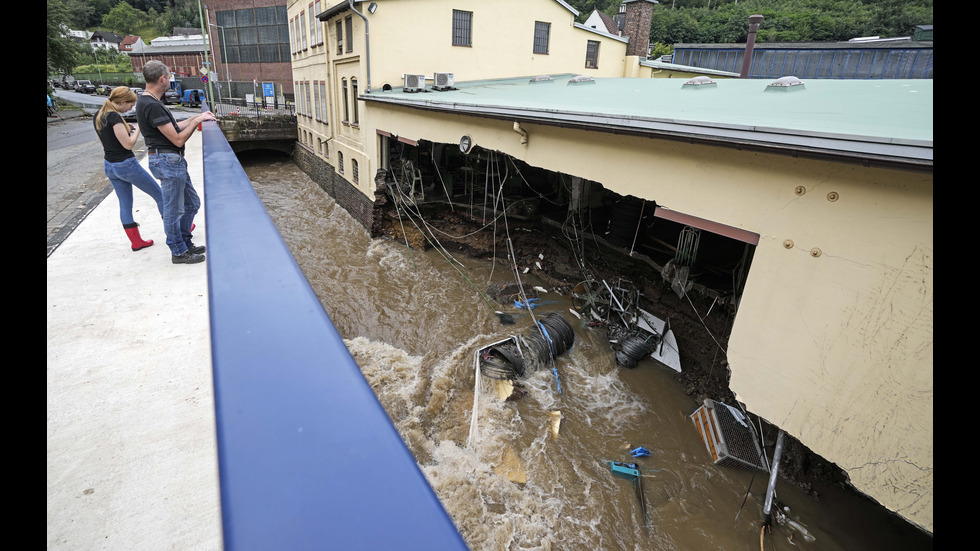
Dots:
pixel 462 28
pixel 349 27
pixel 592 55
pixel 542 31
pixel 340 38
pixel 292 36
pixel 353 170
pixel 302 27
pixel 323 100
pixel 316 99
pixel 340 162
pixel 319 25
pixel 353 86
pixel 312 26
pixel 309 99
pixel 344 82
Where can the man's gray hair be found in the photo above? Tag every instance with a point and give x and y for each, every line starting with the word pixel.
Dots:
pixel 153 70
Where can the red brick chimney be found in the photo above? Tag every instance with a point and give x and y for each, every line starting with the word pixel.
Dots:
pixel 639 16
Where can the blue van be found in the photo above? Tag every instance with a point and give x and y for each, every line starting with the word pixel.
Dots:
pixel 192 97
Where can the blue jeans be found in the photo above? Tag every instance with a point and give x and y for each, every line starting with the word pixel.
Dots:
pixel 180 200
pixel 124 176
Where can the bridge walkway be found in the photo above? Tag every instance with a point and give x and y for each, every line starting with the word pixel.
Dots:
pixel 213 406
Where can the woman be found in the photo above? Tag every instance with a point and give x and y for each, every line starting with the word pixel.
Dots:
pixel 118 138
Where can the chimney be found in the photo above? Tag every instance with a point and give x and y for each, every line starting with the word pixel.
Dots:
pixel 754 21
pixel 639 16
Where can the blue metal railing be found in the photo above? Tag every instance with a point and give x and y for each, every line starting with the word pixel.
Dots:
pixel 307 457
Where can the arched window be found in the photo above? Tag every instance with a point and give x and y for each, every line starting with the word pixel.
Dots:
pixel 340 162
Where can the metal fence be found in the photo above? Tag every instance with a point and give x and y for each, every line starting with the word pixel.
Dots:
pixel 240 108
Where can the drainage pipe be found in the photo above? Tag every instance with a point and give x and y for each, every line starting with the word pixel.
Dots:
pixel 774 473
pixel 754 21
pixel 367 45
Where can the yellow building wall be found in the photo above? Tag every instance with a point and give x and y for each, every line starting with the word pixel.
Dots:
pixel 833 337
pixel 415 37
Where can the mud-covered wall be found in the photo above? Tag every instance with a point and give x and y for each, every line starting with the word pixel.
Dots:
pixel 833 336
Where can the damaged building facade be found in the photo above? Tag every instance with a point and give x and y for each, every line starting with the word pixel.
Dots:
pixel 804 206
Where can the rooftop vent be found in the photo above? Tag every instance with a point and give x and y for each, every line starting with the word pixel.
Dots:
pixel 699 83
pixel 541 78
pixel 785 84
pixel 581 79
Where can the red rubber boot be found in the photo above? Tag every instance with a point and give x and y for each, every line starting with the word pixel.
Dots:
pixel 132 230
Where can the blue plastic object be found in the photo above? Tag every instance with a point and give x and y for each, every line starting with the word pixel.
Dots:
pixel 555 371
pixel 640 452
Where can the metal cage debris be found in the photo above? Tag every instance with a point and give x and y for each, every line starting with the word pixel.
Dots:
pixel 727 436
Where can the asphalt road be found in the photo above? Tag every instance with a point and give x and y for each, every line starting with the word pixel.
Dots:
pixel 76 181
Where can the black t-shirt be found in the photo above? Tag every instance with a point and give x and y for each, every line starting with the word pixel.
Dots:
pixel 114 151
pixel 151 113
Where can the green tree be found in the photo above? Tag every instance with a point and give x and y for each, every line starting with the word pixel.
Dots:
pixel 62 52
pixel 123 18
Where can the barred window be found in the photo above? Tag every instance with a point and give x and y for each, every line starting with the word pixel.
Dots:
pixel 462 28
pixel 340 162
pixel 592 55
pixel 542 31
pixel 353 170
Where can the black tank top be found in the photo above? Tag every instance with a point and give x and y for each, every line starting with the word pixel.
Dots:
pixel 114 151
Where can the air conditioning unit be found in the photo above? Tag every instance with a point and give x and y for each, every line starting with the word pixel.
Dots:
pixel 443 81
pixel 414 83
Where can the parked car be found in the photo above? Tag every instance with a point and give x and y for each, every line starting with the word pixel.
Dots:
pixel 103 89
pixel 171 96
pixel 192 98
pixel 84 87
pixel 137 91
pixel 130 116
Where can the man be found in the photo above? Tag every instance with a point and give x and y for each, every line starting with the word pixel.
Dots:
pixel 165 139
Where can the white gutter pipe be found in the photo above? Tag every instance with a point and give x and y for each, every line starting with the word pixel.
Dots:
pixel 367 45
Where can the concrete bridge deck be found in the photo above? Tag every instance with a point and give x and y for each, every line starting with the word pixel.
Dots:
pixel 131 450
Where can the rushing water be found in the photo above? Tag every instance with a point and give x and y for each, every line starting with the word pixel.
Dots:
pixel 412 321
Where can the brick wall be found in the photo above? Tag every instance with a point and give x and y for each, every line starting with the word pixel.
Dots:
pixel 364 210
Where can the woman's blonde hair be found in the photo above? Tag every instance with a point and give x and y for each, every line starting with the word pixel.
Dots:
pixel 119 94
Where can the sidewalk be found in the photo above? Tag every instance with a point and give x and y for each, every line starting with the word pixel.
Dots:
pixel 131 450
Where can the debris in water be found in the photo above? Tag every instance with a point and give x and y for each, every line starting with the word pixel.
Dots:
pixel 631 471
pixel 574 313
pixel 510 467
pixel 640 452
pixel 540 289
pixel 555 422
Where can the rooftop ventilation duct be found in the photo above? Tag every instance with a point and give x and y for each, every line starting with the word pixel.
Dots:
pixel 581 79
pixel 785 84
pixel 541 78
pixel 699 83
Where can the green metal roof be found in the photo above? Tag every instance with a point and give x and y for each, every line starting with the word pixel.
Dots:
pixel 883 120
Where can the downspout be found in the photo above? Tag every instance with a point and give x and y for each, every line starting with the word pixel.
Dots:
pixel 754 21
pixel 367 45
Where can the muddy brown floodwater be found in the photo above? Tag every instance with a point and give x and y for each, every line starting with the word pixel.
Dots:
pixel 412 321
